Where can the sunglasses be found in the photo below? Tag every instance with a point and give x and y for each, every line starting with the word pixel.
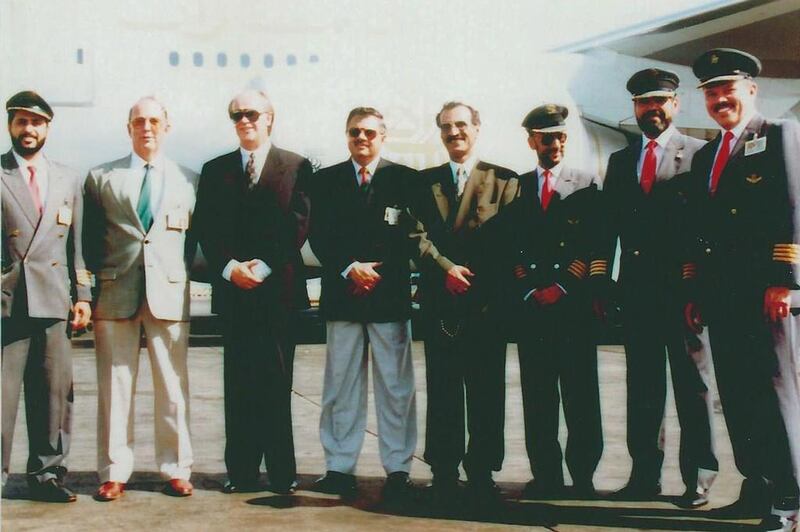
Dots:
pixel 355 132
pixel 549 138
pixel 250 114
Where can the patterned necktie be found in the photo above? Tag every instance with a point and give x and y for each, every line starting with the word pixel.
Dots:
pixel 250 170
pixel 649 167
pixel 720 161
pixel 34 188
pixel 547 190
pixel 363 172
pixel 461 180
pixel 143 205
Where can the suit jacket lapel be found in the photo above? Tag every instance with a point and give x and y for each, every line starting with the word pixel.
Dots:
pixel 54 201
pixel 476 177
pixel 670 160
pixel 750 131
pixel 18 188
pixel 565 184
pixel 124 184
pixel 444 191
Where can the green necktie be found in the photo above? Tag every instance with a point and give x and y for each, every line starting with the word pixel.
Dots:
pixel 143 206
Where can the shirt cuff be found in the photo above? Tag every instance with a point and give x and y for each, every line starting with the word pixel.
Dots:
pixel 226 271
pixel 346 271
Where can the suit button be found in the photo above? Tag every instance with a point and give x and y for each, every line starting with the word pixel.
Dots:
pixel 708 251
pixel 636 252
pixel 54 263
pixel 60 236
pixel 556 266
pixel 146 241
pixel 533 266
pixel 733 212
pixel 561 244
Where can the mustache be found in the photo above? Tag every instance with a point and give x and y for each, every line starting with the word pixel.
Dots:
pixel 451 138
pixel 722 105
pixel 655 113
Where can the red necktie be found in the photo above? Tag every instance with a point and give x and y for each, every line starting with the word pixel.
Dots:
pixel 649 167
pixel 721 160
pixel 34 187
pixel 547 191
pixel 364 173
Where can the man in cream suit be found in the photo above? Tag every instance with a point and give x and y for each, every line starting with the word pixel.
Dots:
pixel 138 211
pixel 41 206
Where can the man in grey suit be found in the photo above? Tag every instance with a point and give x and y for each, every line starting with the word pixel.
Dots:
pixel 138 211
pixel 41 209
pixel 642 208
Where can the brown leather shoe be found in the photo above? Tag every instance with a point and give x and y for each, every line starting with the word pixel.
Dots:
pixel 178 487
pixel 109 491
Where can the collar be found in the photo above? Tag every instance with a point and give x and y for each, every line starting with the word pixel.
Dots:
pixel 740 127
pixel 468 165
pixel 137 162
pixel 259 154
pixel 662 140
pixel 554 171
pixel 38 160
pixel 373 164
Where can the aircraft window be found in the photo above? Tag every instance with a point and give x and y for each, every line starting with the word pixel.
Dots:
pixel 197 59
pixel 79 56
pixel 291 59
pixel 269 60
pixel 174 58
pixel 244 60
pixel 313 58
pixel 222 59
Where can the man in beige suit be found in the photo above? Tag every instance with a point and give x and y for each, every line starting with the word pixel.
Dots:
pixel 41 208
pixel 138 210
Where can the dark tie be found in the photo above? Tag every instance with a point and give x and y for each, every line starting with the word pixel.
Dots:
pixel 720 161
pixel 250 170
pixel 547 190
pixel 143 206
pixel 34 187
pixel 364 180
pixel 649 167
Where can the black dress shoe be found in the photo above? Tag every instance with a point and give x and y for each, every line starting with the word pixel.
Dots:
pixel 778 523
pixel 539 489
pixel 398 488
pixel 336 483
pixel 51 490
pixel 241 487
pixel 443 492
pixel 692 499
pixel 638 491
pixel 754 501
pixel 283 488
pixel 583 490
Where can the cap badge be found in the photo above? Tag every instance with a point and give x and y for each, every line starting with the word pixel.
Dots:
pixel 714 59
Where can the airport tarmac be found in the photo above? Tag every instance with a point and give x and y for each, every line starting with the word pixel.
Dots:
pixel 144 508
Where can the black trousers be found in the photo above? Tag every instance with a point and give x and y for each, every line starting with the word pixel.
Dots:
pixel 745 363
pixel 258 357
pixel 654 334
pixel 471 359
pixel 556 348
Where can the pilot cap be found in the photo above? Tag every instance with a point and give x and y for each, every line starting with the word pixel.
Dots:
pixel 652 83
pixel 725 64
pixel 548 118
pixel 31 102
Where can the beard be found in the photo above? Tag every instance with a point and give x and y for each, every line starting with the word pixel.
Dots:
pixel 651 128
pixel 23 150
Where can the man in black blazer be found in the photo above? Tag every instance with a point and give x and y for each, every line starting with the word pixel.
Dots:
pixel 465 343
pixel 251 218
pixel 545 238
pixel 361 234
pixel 745 187
pixel 642 207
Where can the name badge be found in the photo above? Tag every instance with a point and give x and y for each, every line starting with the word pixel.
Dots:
pixel 757 145
pixel 391 215
pixel 178 220
pixel 64 215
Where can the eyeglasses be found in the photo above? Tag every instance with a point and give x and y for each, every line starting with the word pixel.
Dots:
pixel 355 132
pixel 461 126
pixel 549 138
pixel 139 122
pixel 250 114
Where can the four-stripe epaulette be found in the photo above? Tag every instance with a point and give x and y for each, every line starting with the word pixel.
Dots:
pixel 788 253
pixel 689 271
pixel 598 267
pixel 577 268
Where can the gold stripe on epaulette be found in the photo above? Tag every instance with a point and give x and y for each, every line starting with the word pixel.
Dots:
pixel 83 277
pixel 689 270
pixel 788 253
pixel 577 268
pixel 519 271
pixel 598 267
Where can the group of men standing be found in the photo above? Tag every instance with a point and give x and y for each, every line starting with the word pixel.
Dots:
pixel 707 232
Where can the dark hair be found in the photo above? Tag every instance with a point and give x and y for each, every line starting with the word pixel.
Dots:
pixel 476 116
pixel 365 111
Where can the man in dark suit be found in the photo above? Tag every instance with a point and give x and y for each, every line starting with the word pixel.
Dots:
pixel 746 234
pixel 42 206
pixel 251 217
pixel 545 240
pixel 360 232
pixel 641 208
pixel 464 339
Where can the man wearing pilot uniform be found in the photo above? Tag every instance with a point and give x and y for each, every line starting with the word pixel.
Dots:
pixel 545 237
pixel 641 205
pixel 743 188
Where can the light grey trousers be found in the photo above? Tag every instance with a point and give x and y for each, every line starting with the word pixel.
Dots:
pixel 344 395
